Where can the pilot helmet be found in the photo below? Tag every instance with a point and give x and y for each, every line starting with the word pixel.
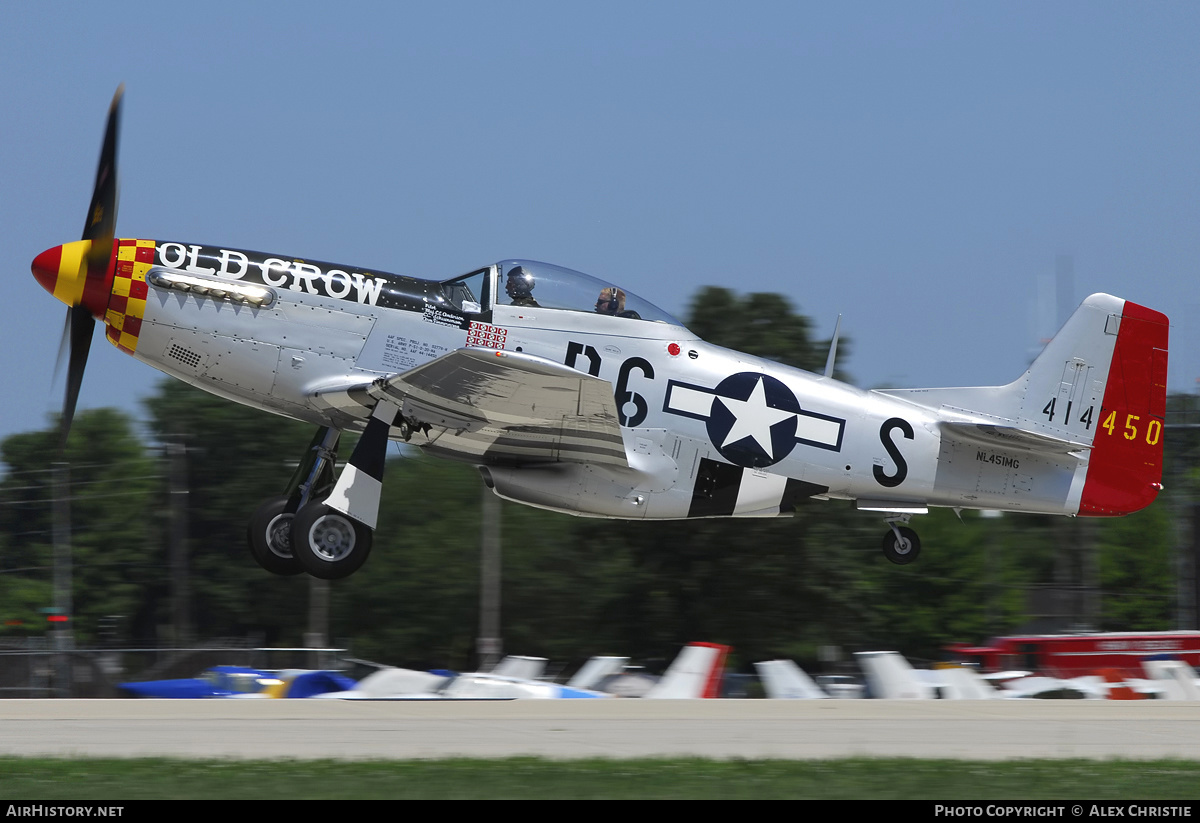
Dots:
pixel 520 283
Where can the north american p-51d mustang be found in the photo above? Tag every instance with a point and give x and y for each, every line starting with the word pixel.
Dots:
pixel 570 393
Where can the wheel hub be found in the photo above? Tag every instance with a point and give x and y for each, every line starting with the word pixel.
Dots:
pixel 279 536
pixel 333 538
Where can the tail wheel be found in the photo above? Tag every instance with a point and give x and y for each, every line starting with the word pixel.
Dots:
pixel 270 537
pixel 328 544
pixel 901 545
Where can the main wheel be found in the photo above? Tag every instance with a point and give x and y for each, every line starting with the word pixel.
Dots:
pixel 327 543
pixel 270 537
pixel 904 550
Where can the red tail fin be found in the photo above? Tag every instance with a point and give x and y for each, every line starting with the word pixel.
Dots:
pixel 1125 467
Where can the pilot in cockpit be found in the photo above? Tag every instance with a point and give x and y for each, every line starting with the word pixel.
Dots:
pixel 520 287
pixel 612 301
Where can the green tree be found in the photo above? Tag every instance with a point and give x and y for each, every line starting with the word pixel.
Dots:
pixel 236 457
pixel 762 324
pixel 415 601
pixel 115 551
pixel 1137 577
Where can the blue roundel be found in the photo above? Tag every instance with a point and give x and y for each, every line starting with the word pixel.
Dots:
pixel 753 419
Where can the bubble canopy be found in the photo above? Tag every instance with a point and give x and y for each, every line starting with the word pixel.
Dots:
pixel 544 285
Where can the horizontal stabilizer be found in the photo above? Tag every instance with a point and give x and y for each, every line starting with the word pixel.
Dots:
pixel 1010 437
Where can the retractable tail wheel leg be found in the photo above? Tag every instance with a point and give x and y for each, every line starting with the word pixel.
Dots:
pixel 901 545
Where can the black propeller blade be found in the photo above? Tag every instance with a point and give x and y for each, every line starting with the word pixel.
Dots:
pixel 82 325
pixel 100 228
pixel 102 212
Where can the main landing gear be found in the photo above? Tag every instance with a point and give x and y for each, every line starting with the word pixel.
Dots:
pixel 901 544
pixel 299 532
pixel 329 544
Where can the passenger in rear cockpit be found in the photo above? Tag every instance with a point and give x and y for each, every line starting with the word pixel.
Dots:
pixel 612 301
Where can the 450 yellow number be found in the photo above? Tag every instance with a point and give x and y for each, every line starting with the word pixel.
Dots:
pixel 1130 430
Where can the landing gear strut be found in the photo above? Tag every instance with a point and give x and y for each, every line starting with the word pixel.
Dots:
pixel 321 527
pixel 901 544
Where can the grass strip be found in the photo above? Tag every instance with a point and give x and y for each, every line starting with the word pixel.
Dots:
pixel 538 778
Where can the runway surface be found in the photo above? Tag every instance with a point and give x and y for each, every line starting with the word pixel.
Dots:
pixel 792 729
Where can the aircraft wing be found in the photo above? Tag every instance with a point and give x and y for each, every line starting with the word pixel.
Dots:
pixel 504 407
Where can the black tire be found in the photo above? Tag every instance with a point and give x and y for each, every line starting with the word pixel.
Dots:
pixel 270 539
pixel 328 544
pixel 902 551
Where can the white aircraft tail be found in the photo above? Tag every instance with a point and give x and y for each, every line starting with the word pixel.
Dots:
pixel 595 670
pixel 696 672
pixel 890 677
pixel 961 683
pixel 784 680
pixel 1099 389
pixel 521 667
pixel 392 682
pixel 1176 678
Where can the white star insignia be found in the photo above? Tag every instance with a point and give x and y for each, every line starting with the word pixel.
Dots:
pixel 753 418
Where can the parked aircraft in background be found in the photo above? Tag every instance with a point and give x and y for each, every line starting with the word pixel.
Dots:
pixel 842 686
pixel 890 677
pixel 596 670
pixel 784 680
pixel 389 682
pixel 520 666
pixel 239 681
pixel 1175 679
pixel 571 393
pixel 695 673
pixel 219 681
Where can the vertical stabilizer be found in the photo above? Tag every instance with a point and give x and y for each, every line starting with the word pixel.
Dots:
pixel 595 670
pixel 1176 678
pixel 696 672
pixel 890 677
pixel 521 667
pixel 784 680
pixel 960 683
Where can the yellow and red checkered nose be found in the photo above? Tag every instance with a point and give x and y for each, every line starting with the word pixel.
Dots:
pixel 63 271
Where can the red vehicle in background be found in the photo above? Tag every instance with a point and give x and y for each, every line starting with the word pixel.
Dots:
pixel 1073 655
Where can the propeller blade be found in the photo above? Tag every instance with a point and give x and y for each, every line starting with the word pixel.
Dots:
pixel 102 212
pixel 99 227
pixel 82 325
pixel 63 343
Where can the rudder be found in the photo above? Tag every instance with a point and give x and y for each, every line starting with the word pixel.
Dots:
pixel 1125 464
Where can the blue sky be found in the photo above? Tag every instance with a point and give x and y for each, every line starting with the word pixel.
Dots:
pixel 918 167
